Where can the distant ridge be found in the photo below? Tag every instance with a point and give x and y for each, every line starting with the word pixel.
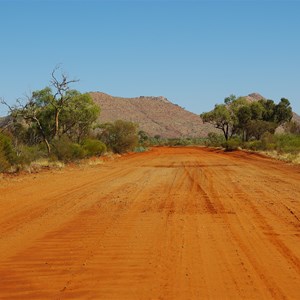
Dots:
pixel 155 115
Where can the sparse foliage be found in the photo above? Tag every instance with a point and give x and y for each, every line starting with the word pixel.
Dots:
pixel 48 114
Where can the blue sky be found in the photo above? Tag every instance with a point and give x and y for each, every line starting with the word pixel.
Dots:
pixel 195 53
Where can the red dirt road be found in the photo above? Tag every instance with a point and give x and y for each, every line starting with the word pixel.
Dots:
pixel 173 223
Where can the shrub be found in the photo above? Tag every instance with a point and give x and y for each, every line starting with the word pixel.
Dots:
pixel 140 149
pixel 268 142
pixel 176 142
pixel 214 140
pixel 120 136
pixel 232 144
pixel 64 149
pixel 28 154
pixel 254 145
pixel 287 143
pixel 282 143
pixel 143 138
pixel 8 155
pixel 4 164
pixel 93 147
pixel 157 141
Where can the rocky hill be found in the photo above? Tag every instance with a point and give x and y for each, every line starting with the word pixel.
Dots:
pixel 296 118
pixel 254 97
pixel 155 115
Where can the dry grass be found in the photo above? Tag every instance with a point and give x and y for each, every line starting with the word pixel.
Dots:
pixel 293 158
pixel 41 164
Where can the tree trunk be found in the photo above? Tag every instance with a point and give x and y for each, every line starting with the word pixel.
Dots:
pixel 57 111
pixel 48 146
pixel 227 132
pixel 44 135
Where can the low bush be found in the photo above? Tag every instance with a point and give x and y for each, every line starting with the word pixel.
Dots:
pixel 4 163
pixel 65 150
pixel 287 143
pixel 254 145
pixel 93 147
pixel 280 143
pixel 140 149
pixel 120 136
pixel 8 156
pixel 144 139
pixel 157 141
pixel 214 140
pixel 28 154
pixel 268 142
pixel 232 144
pixel 177 142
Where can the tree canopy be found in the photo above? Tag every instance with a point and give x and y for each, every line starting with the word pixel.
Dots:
pixel 238 116
pixel 52 112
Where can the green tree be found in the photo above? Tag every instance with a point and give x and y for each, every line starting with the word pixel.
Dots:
pixel 221 118
pixel 268 109
pixel 79 116
pixel 238 116
pixel 49 114
pixel 31 113
pixel 224 116
pixel 283 112
pixel 244 117
pixel 230 99
pixel 257 128
pixel 257 110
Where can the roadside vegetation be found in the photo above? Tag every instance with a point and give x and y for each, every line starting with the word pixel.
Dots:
pixel 59 124
pixel 259 126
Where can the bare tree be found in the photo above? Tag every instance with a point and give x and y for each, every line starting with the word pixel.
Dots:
pixel 61 95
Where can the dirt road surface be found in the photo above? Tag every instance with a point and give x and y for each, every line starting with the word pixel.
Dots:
pixel 172 223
